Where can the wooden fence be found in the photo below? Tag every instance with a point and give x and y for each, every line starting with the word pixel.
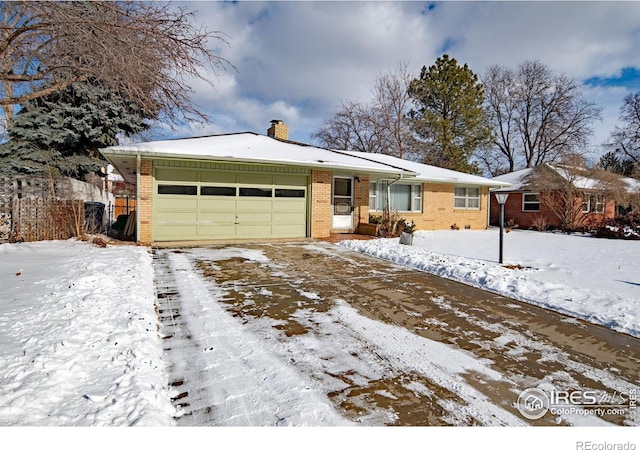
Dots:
pixel 123 205
pixel 36 219
pixel 35 209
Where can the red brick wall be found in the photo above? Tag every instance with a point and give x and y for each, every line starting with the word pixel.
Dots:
pixel 525 219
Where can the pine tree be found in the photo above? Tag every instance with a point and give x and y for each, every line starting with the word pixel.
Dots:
pixel 60 134
pixel 449 119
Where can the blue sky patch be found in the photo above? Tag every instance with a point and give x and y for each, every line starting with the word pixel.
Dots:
pixel 629 78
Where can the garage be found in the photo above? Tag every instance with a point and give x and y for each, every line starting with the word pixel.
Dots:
pixel 191 203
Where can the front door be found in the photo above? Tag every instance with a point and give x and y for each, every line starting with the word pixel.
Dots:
pixel 342 203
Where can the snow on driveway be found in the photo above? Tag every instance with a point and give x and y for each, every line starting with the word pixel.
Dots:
pixel 597 280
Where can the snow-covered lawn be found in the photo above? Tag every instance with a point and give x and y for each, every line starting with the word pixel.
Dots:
pixel 597 280
pixel 78 337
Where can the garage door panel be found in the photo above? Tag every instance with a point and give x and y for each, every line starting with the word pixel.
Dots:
pixel 298 206
pixel 258 230
pixel 284 218
pixel 172 203
pixel 249 205
pixel 175 232
pixel 217 218
pixel 255 178
pixel 216 231
pixel 289 230
pixel 178 218
pixel 166 174
pixel 290 180
pixel 218 204
pixel 254 217
pixel 219 177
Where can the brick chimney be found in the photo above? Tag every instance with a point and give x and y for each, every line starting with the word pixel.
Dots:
pixel 278 130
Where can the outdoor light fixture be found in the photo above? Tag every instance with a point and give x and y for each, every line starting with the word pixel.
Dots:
pixel 501 197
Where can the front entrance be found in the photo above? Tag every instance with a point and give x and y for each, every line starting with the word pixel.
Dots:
pixel 342 203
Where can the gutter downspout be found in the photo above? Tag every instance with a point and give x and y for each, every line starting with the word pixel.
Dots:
pixel 138 164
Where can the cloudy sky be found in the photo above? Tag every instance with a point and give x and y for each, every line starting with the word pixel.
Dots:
pixel 297 60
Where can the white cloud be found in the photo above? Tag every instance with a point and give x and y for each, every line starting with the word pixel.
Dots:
pixel 297 60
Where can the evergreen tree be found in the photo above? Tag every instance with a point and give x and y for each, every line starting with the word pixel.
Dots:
pixel 60 134
pixel 449 119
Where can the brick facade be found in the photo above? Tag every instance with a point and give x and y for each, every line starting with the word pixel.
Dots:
pixel 361 201
pixel 144 202
pixel 321 208
pixel 438 212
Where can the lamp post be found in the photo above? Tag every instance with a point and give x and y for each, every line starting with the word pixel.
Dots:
pixel 501 197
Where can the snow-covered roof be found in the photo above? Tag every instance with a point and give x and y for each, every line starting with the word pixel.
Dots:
pixel 248 148
pixel 580 178
pixel 518 180
pixel 425 172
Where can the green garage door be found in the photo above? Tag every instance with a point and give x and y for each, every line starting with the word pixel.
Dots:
pixel 207 204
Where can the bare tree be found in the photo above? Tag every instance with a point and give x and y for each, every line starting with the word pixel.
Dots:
pixel 625 138
pixel 501 104
pixel 352 128
pixel 376 127
pixel 538 117
pixel 145 51
pixel 391 104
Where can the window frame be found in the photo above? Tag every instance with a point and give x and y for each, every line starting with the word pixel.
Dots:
pixel 529 202
pixel 174 189
pixel 415 194
pixel 467 197
pixel 593 202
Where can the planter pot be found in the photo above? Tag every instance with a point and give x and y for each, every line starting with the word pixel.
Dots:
pixel 406 238
pixel 369 229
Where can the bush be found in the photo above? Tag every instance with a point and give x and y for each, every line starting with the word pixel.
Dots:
pixel 391 224
pixel 621 227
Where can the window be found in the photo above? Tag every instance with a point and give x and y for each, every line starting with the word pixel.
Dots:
pixel 403 197
pixel 593 203
pixel 223 191
pixel 256 192
pixel 290 193
pixel 173 189
pixel 373 197
pixel 531 202
pixel 417 198
pixel 466 198
pixel 400 197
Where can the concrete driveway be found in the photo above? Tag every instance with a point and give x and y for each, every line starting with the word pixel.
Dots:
pixel 272 292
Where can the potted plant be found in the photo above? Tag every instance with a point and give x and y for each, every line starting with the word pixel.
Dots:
pixel 406 237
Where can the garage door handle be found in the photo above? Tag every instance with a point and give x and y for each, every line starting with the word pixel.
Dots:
pixel 237 222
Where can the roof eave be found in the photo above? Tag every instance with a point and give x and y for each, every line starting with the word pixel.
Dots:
pixel 134 152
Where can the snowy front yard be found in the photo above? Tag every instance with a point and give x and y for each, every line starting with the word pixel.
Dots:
pixel 597 280
pixel 78 337
pixel 80 341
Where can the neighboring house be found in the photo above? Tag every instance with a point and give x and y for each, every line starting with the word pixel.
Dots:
pixel 558 195
pixel 245 185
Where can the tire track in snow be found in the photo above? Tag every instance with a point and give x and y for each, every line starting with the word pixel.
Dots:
pixel 186 381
